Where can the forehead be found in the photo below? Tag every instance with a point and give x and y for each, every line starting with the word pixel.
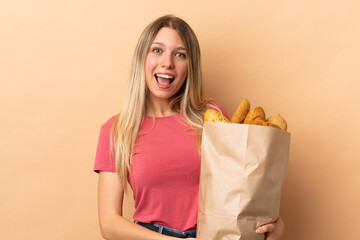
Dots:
pixel 169 37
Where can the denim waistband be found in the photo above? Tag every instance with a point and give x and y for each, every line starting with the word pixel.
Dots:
pixel 168 231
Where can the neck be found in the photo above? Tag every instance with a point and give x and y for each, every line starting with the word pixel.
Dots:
pixel 159 108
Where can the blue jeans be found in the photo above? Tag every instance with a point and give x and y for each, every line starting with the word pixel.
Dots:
pixel 168 231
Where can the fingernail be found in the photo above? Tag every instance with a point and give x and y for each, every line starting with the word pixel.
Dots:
pixel 258 231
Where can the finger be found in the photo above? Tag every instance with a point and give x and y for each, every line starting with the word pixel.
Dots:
pixel 267 228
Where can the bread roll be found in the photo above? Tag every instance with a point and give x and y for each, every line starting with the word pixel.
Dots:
pixel 241 111
pixel 278 120
pixel 257 113
pixel 262 123
pixel 212 115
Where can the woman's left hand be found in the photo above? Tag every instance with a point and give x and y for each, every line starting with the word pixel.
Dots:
pixel 273 231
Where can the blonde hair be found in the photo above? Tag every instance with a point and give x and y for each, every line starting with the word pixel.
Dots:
pixel 188 101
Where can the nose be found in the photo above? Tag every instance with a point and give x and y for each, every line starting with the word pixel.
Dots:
pixel 167 61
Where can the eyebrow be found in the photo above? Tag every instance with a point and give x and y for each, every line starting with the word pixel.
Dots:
pixel 178 48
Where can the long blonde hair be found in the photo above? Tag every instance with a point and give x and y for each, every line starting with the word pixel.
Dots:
pixel 188 101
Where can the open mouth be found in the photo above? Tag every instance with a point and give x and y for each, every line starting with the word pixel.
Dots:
pixel 164 80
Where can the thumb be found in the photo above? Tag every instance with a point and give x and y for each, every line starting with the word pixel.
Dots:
pixel 267 228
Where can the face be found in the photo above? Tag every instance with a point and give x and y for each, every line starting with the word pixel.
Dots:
pixel 166 65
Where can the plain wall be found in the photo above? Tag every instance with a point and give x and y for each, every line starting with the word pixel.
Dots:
pixel 64 64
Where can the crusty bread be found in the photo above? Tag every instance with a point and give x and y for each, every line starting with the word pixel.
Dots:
pixel 278 120
pixel 257 113
pixel 241 111
pixel 242 114
pixel 262 123
pixel 212 115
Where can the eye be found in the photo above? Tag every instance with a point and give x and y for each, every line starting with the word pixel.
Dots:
pixel 180 55
pixel 156 50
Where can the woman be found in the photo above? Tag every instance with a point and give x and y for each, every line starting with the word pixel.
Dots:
pixel 155 140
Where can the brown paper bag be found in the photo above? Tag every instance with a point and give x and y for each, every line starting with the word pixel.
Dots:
pixel 242 171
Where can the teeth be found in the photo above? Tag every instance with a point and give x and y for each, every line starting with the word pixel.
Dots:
pixel 164 76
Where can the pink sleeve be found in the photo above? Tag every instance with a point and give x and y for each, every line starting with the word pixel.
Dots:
pixel 103 160
pixel 222 109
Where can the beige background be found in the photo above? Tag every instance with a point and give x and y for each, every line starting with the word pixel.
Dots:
pixel 63 66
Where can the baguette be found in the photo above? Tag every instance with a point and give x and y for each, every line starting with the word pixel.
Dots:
pixel 241 112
